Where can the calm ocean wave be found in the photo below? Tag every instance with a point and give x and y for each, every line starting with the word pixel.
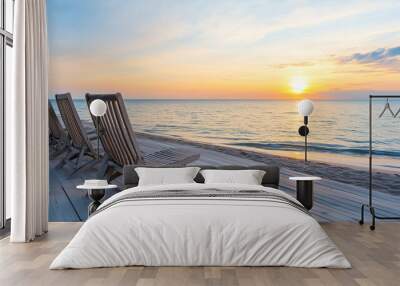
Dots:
pixel 339 127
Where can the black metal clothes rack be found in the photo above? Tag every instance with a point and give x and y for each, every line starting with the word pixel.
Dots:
pixel 370 201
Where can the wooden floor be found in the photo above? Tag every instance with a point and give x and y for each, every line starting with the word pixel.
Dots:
pixel 375 257
pixel 333 201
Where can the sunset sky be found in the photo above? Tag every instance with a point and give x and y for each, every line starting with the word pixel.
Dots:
pixel 225 49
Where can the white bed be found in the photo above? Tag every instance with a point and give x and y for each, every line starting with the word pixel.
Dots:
pixel 189 231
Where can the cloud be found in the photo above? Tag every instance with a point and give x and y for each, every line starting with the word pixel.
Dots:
pixel 294 65
pixel 387 59
pixel 393 52
pixel 381 55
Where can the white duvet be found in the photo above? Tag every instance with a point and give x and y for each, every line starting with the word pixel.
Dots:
pixel 193 231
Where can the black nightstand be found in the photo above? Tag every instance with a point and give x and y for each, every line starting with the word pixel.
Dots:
pixel 304 190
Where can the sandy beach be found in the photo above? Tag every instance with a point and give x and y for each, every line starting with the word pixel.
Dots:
pixel 383 180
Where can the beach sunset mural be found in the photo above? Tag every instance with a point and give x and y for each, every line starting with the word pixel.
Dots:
pixel 308 89
pixel 231 73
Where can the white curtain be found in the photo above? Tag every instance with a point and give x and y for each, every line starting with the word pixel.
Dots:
pixel 27 123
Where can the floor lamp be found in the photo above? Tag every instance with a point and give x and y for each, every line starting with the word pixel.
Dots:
pixel 96 188
pixel 98 108
pixel 305 108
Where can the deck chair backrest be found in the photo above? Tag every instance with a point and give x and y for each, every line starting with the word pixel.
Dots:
pixel 116 133
pixel 55 128
pixel 72 122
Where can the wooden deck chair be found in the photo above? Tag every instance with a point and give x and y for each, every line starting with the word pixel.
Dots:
pixel 119 140
pixel 58 137
pixel 80 144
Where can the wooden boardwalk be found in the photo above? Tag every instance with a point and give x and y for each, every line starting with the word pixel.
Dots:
pixel 333 201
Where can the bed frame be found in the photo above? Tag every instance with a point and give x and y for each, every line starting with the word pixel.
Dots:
pixel 270 179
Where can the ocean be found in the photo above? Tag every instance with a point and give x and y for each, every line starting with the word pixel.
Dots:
pixel 338 129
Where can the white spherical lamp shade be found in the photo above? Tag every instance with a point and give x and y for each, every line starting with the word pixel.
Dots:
pixel 98 107
pixel 305 107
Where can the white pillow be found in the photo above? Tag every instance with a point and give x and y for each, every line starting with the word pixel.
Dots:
pixel 166 176
pixel 248 177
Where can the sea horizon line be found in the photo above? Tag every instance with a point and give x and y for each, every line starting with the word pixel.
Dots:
pixel 225 99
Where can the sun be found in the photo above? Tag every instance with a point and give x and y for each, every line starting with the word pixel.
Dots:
pixel 298 84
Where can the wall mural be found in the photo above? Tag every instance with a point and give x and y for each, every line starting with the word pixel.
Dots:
pixel 188 78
